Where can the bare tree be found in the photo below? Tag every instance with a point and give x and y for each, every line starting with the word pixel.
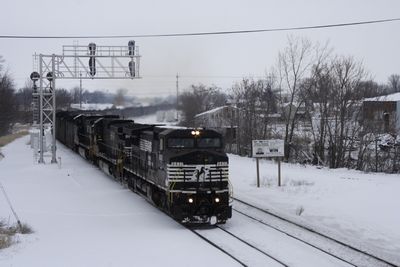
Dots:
pixel 344 109
pixel 256 100
pixel 294 63
pixel 24 98
pixel 198 99
pixel 76 95
pixel 394 83
pixel 318 92
pixel 119 99
pixel 63 99
pixel 7 101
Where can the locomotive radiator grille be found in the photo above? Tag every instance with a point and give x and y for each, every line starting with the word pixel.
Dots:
pixel 200 173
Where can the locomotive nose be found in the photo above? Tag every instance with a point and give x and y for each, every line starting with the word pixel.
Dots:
pixel 204 209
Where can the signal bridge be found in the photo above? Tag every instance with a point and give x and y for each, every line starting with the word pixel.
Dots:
pixel 78 62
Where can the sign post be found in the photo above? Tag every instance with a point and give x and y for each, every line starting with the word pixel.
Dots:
pixel 258 172
pixel 268 149
pixel 279 171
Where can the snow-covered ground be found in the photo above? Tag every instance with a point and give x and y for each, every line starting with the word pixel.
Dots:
pixel 82 217
pixel 358 208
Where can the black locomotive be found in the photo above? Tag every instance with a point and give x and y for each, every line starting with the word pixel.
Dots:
pixel 182 171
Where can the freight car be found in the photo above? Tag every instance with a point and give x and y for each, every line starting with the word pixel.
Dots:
pixel 182 171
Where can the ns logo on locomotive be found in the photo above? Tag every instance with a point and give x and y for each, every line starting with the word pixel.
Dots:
pixel 182 171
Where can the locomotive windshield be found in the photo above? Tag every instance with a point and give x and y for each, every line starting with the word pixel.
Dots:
pixel 180 142
pixel 204 142
pixel 209 142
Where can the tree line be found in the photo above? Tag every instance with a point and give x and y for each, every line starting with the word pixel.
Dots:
pixel 318 96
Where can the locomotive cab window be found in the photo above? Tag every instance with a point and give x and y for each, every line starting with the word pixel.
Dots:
pixel 180 142
pixel 208 142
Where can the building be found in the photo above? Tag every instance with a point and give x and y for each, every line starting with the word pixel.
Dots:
pixel 224 120
pixel 382 113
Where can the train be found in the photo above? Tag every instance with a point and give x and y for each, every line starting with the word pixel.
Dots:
pixel 182 171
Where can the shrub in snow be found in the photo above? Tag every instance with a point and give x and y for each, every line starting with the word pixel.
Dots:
pixel 5 241
pixel 8 232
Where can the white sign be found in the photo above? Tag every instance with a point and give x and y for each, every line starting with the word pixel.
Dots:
pixel 268 148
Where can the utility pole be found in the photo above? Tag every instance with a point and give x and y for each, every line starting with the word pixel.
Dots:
pixel 177 96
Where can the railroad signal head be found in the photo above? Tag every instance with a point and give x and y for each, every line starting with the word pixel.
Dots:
pixel 92 66
pixel 35 76
pixel 132 68
pixel 131 48
pixel 49 76
pixel 92 49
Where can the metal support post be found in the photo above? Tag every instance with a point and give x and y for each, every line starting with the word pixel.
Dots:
pixel 53 124
pixel 41 160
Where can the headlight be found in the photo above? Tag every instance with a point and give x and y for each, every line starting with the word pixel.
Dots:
pixel 190 200
pixel 217 200
pixel 195 132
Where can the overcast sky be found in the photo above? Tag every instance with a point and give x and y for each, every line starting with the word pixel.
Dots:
pixel 218 60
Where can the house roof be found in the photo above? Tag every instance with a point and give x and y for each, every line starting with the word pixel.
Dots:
pixel 213 110
pixel 384 98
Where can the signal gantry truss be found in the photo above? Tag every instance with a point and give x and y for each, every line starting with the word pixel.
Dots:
pixel 79 62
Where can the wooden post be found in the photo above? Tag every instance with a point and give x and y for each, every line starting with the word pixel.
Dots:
pixel 258 173
pixel 279 171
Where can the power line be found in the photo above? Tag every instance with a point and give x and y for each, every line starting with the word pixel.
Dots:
pixel 201 33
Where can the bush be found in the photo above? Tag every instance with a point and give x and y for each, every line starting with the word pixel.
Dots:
pixel 7 232
pixel 25 229
pixel 5 241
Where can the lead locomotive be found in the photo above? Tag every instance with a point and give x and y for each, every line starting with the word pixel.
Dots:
pixel 182 171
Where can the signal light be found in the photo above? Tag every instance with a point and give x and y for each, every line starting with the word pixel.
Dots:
pixel 132 68
pixel 92 66
pixel 92 49
pixel 190 200
pixel 49 76
pixel 217 200
pixel 92 60
pixel 131 48
pixel 35 76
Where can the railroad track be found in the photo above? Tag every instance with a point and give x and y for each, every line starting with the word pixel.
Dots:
pixel 326 244
pixel 240 250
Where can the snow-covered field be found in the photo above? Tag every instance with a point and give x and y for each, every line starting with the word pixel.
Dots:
pixel 358 208
pixel 81 217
